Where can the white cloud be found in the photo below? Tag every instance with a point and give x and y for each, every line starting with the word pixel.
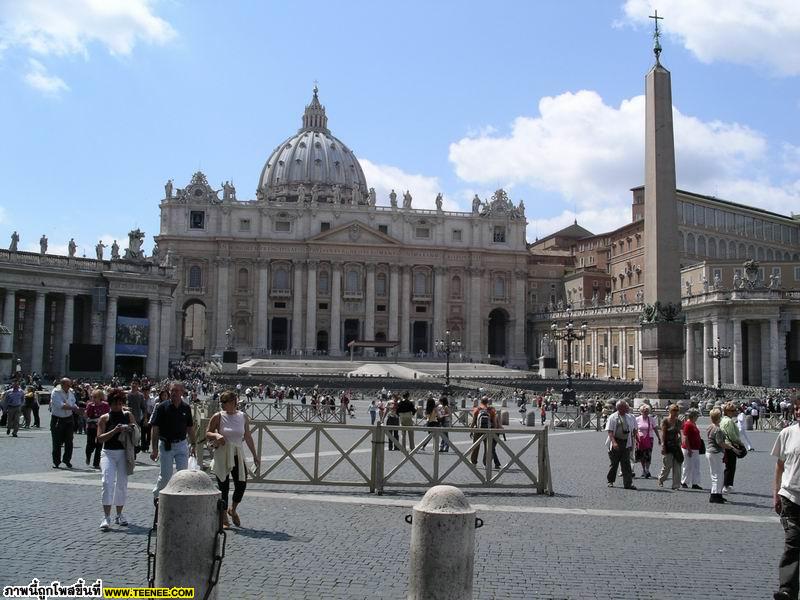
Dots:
pixel 592 153
pixel 597 220
pixel 782 199
pixel 423 189
pixel 39 79
pixel 750 32
pixel 63 27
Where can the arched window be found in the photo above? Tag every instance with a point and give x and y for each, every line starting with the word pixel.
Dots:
pixel 742 251
pixel 195 277
pixel 351 281
pixel 760 252
pixel 690 246
pixel 751 251
pixel 681 242
pixel 712 247
pixel 324 282
pixel 701 245
pixel 380 285
pixel 500 287
pixel 280 279
pixel 243 281
pixel 420 283
pixel 786 256
pixel 732 249
pixel 770 254
pixel 723 249
pixel 455 287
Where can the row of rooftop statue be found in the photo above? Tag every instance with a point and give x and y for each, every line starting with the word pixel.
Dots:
pixel 199 189
pixel 133 252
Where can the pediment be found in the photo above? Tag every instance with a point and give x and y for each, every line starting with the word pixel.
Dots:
pixel 354 233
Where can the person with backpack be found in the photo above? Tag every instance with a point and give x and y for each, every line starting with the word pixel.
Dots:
pixel 406 411
pixel 484 417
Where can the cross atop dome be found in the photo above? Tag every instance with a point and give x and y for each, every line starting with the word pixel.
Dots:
pixel 314 117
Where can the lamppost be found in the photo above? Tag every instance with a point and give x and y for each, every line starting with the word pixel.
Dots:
pixel 447 346
pixel 718 352
pixel 569 334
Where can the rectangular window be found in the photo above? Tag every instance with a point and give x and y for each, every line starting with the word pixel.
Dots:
pixel 380 308
pixel 422 233
pixel 588 353
pixel 456 235
pixel 323 306
pixel 740 224
pixel 709 217
pixel 499 236
pixel 797 273
pixel 631 357
pixel 759 229
pixel 244 224
pixel 197 219
pixel 324 226
pixel 383 229
pixel 720 220
pixel 681 215
pixel 717 274
pixel 748 226
pixel 419 309
pixel 688 209
pixel 615 355
pixel 283 226
pixel 280 305
pixel 699 215
pixel 729 221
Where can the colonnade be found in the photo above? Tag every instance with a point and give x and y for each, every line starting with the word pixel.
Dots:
pixel 606 352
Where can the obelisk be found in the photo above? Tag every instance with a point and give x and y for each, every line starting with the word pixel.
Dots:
pixel 661 321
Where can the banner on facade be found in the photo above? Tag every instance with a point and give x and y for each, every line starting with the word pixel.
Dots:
pixel 132 336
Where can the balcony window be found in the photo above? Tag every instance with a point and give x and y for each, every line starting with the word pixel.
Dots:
pixel 380 285
pixel 280 279
pixel 324 283
pixel 195 277
pixel 499 235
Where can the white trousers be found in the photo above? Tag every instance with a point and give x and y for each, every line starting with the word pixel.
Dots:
pixel 115 477
pixel 745 438
pixel 691 468
pixel 717 470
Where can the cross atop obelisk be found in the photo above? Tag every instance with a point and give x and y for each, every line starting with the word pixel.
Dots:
pixel 656 35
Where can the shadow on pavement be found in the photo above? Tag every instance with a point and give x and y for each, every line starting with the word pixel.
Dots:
pixel 263 534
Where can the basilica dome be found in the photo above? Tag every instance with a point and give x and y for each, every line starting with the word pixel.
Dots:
pixel 313 166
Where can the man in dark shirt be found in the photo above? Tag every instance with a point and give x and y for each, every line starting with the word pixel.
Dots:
pixel 14 399
pixel 406 410
pixel 170 423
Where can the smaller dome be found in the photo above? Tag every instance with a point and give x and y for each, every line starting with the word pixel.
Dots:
pixel 313 165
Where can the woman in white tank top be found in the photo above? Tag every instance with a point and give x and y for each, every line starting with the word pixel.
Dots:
pixel 227 431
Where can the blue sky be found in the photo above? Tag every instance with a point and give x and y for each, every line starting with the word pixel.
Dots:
pixel 103 101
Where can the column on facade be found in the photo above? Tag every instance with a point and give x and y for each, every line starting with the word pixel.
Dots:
pixel 369 312
pixel 609 352
pixel 67 332
pixel 474 320
pixel 708 363
pixel 595 352
pixel 153 341
pixel 753 332
pixel 335 343
pixel 110 338
pixel 737 352
pixel 623 349
pixel 775 362
pixel 520 318
pixel 637 355
pixel 394 299
pixel 262 303
pixel 717 332
pixel 311 307
pixel 164 335
pixel 405 312
pixel 9 306
pixel 38 333
pixel 689 351
pixel 438 303
pixel 297 308
pixel 223 312
pixel 765 353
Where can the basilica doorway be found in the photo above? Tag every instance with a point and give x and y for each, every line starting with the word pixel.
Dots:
pixel 193 339
pixel 380 337
pixel 498 333
pixel 322 342
pixel 279 340
pixel 419 337
pixel 351 327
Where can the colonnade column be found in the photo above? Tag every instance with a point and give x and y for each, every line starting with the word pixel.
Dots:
pixel 164 334
pixel 7 341
pixel 369 316
pixel 520 317
pixel 623 359
pixel 474 307
pixel 609 352
pixel 637 356
pixel 595 352
pixel 405 317
pixel 297 307
pixel 311 307
pixel 223 313
pixel 689 352
pixel 766 354
pixel 438 303
pixel 708 363
pixel 38 333
pixel 262 303
pixel 110 341
pixel 335 343
pixel 67 331
pixel 394 295
pixel 716 332
pixel 737 351
pixel 775 363
pixel 153 341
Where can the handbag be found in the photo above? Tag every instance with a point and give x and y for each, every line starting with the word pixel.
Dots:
pixel 645 441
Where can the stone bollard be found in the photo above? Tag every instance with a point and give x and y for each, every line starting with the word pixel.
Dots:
pixel 530 418
pixel 188 523
pixel 504 417
pixel 463 403
pixel 504 403
pixel 442 545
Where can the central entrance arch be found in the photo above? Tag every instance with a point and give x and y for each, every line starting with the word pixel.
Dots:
pixel 498 334
pixel 322 341
pixel 193 338
pixel 280 334
pixel 351 327
pixel 420 337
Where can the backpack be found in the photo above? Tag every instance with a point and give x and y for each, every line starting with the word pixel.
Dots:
pixel 484 419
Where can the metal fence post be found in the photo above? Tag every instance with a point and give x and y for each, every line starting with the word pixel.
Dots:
pixel 541 467
pixel 376 475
